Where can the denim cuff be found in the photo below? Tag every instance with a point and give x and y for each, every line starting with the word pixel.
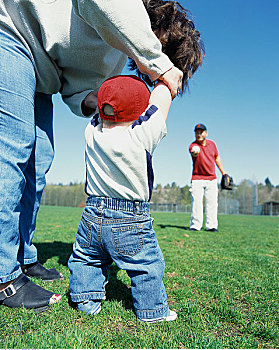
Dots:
pixel 30 261
pixel 152 314
pixel 12 276
pixel 76 298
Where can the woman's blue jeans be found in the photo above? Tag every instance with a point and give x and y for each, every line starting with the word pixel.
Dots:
pixel 26 153
pixel 115 230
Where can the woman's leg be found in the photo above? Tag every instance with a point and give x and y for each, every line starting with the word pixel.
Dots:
pixel 17 137
pixel 38 165
pixel 17 140
pixel 35 175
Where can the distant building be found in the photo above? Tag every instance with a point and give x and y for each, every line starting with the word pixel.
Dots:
pixel 270 208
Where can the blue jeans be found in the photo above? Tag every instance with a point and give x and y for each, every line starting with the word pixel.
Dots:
pixel 115 230
pixel 26 153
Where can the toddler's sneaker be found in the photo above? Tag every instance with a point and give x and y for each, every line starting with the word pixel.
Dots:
pixel 171 316
pixel 92 307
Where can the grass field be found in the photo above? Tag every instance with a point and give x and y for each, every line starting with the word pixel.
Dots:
pixel 224 287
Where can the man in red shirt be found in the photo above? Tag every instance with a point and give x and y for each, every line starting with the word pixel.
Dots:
pixel 204 180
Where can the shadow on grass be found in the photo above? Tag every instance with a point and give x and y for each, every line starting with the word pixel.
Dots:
pixel 115 290
pixel 47 250
pixel 175 226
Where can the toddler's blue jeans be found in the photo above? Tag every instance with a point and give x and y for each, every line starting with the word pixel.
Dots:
pixel 26 153
pixel 119 231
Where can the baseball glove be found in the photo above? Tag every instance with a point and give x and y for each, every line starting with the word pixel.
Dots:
pixel 227 182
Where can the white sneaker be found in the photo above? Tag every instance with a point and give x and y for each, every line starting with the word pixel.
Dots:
pixel 171 316
pixel 90 307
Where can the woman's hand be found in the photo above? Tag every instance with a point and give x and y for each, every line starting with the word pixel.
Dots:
pixel 90 103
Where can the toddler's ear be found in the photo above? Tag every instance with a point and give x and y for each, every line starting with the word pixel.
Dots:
pixel 108 110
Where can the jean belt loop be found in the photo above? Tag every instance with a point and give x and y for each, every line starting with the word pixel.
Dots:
pixel 136 207
pixel 101 204
pixel 146 209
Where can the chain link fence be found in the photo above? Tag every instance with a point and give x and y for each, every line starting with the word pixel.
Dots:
pixel 241 200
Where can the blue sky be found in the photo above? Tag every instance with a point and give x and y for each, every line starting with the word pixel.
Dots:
pixel 235 93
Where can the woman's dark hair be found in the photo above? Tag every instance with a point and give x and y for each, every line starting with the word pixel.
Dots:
pixel 180 40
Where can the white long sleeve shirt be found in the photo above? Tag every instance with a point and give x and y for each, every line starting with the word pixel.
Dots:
pixel 77 44
pixel 119 160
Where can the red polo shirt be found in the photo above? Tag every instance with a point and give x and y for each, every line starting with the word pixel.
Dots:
pixel 204 163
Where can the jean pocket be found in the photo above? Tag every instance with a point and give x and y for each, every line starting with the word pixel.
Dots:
pixel 84 233
pixel 128 240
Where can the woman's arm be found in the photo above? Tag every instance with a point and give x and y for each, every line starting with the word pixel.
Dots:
pixel 125 25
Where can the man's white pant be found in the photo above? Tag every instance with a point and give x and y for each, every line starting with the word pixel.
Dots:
pixel 208 189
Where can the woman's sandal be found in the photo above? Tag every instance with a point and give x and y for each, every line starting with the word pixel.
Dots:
pixel 24 293
pixel 37 270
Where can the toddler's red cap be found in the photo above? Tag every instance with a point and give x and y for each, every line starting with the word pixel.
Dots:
pixel 127 94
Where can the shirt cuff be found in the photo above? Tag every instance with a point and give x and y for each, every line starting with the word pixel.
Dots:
pixel 74 103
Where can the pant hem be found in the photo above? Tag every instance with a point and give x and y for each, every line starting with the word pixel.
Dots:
pixel 76 298
pixel 152 314
pixel 10 277
pixel 30 261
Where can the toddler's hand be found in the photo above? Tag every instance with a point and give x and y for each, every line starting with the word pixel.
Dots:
pixel 173 79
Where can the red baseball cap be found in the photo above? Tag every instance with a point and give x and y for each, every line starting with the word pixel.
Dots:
pixel 127 94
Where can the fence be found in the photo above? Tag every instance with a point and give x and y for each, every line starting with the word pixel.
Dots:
pixel 170 207
pixel 239 201
pixel 243 202
pixel 64 196
pixel 227 204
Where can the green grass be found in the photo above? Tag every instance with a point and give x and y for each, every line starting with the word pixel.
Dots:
pixel 224 287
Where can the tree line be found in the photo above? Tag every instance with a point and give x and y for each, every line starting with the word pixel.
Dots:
pixel 242 199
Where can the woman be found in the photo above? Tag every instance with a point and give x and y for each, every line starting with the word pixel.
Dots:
pixel 51 46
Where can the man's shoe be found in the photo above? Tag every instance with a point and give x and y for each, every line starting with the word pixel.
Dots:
pixel 212 230
pixel 38 271
pixel 193 229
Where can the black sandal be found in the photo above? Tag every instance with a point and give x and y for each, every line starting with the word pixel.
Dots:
pixel 24 293
pixel 37 270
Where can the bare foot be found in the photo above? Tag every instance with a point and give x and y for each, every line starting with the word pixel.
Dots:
pixel 55 298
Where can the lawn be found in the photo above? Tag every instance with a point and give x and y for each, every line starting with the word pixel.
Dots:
pixel 224 287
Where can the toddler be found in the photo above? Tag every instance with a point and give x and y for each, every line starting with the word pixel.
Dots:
pixel 116 225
